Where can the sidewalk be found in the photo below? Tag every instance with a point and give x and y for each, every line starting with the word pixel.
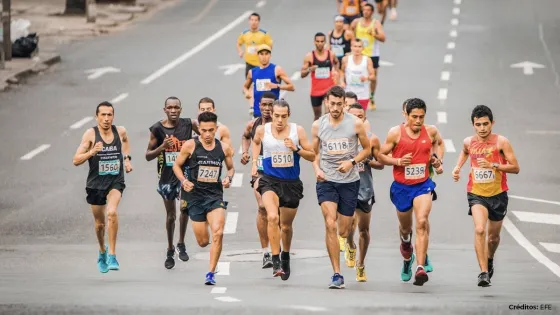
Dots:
pixel 54 29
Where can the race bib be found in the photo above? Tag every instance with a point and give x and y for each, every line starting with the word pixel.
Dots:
pixel 109 167
pixel 361 167
pixel 338 50
pixel 323 73
pixel 252 49
pixel 260 163
pixel 208 174
pixel 483 175
pixel 365 41
pixel 262 84
pixel 170 158
pixel 356 80
pixel 415 171
pixel 338 146
pixel 282 159
pixel 351 10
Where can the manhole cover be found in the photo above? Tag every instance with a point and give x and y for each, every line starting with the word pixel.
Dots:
pixel 256 254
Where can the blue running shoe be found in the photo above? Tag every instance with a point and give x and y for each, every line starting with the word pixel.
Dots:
pixel 406 272
pixel 337 281
pixel 428 265
pixel 102 262
pixel 210 279
pixel 113 263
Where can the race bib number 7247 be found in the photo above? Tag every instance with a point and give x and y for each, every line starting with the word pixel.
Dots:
pixel 415 171
pixel 483 175
pixel 208 174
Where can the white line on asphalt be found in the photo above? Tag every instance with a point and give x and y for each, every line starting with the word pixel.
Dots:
pixel 449 147
pixel 448 58
pixel 445 75
pixel 535 200
pixel 538 217
pixel 442 94
pixel 454 22
pixel 308 308
pixel 296 76
pixel 226 299
pixel 36 151
pixel 549 55
pixel 543 132
pixel 119 98
pixel 237 180
pixel 261 4
pixel 456 11
pixel 451 45
pixel 453 33
pixel 222 268
pixel 218 290
pixel 231 223
pixel 535 252
pixel 81 122
pixel 441 117
pixel 551 247
pixel 240 149
pixel 457 2
pixel 158 73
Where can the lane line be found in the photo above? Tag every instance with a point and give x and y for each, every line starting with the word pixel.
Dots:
pixel 218 290
pixel 34 152
pixel 543 132
pixel 538 217
pixel 261 4
pixel 222 269
pixel 456 11
pixel 453 33
pixel 204 11
pixel 119 98
pixel 551 247
pixel 533 251
pixel 296 76
pixel 535 200
pixel 163 70
pixel 228 299
pixel 240 149
pixel 451 45
pixel 449 147
pixel 448 58
pixel 231 223
pixel 308 308
pixel 549 55
pixel 441 117
pixel 457 2
pixel 237 180
pixel 454 22
pixel 81 122
pixel 445 75
pixel 442 94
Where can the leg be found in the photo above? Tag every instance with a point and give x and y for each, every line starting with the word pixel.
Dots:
pixel 287 216
pixel 113 200
pixel 329 210
pixel 200 230
pixel 350 238
pixel 262 223
pixel 271 203
pixel 364 220
pixel 170 221
pixel 480 219
pixel 99 217
pixel 350 246
pixel 494 229
pixel 216 219
pixel 316 105
pixel 183 223
pixel 405 230
pixel 422 207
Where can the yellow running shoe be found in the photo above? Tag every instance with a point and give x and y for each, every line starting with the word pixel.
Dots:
pixel 350 256
pixel 361 274
pixel 342 243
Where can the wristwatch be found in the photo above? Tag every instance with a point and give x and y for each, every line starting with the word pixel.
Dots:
pixel 230 179
pixel 495 165
pixel 128 157
pixel 353 162
pixel 298 148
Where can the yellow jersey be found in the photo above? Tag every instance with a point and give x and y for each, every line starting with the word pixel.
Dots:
pixel 367 39
pixel 251 41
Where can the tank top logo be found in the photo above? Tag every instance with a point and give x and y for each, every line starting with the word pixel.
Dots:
pixel 109 148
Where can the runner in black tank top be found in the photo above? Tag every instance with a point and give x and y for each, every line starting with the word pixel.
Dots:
pixel 265 105
pixel 340 45
pixel 203 188
pixel 166 139
pixel 106 149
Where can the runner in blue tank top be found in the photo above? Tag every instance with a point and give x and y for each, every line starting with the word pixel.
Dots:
pixel 267 77
pixel 282 145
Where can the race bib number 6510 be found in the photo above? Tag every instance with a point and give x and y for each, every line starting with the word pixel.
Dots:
pixel 483 175
pixel 208 174
pixel 282 159
pixel 415 171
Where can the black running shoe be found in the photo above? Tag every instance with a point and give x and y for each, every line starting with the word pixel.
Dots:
pixel 285 264
pixel 276 268
pixel 267 261
pixel 483 279
pixel 490 268
pixel 170 260
pixel 182 252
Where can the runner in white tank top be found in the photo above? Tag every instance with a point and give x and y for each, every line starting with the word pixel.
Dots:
pixel 357 72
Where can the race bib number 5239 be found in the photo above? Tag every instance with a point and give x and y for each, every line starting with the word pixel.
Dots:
pixel 415 171
pixel 483 175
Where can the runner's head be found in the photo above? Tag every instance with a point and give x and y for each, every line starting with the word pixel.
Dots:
pixel 206 104
pixel 482 120
pixel 335 101
pixel 404 109
pixel 207 126
pixel 264 53
pixel 357 110
pixel 415 114
pixel 280 114
pixel 104 114
pixel 357 47
pixel 350 99
pixel 367 10
pixel 172 108
pixel 338 23
pixel 254 21
pixel 320 40
pixel 267 100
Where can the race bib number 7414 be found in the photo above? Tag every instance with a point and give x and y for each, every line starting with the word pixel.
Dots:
pixel 170 158
pixel 415 171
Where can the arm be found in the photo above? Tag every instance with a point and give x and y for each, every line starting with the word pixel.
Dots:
pixel 349 34
pixel 463 156
pixel 306 150
pixel 228 152
pixel 353 25
pixel 379 34
pixel 239 44
pixel 84 151
pixel 153 150
pixel 328 43
pixel 305 69
pixel 280 73
pixel 125 148
pixel 246 142
pixel 364 141
pixel 183 156
pixel 507 150
pixel 371 71
pixel 195 126
pixel 375 147
pixel 342 71
pixel 388 146
pixel 225 136
pixel 257 144
pixel 315 143
pixel 247 84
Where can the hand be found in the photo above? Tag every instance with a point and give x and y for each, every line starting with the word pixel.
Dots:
pixel 270 85
pixel 343 85
pixel 313 68
pixel 247 94
pixel 439 169
pixel 456 173
pixel 97 148
pixel 363 78
pixel 406 159
pixel 245 157
pixel 345 166
pixel 370 31
pixel 254 170
pixel 436 162
pixel 320 176
pixel 226 182
pixel 167 142
pixel 127 166
pixel 187 185
pixel 483 163
pixel 290 144
pixel 240 53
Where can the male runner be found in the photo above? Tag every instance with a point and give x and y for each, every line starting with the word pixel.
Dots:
pixel 349 9
pixel 266 102
pixel 339 39
pixel 393 6
pixel 370 32
pixel 266 77
pixel 207 104
pixel 320 63
pixel 106 148
pixel 335 141
pixel 356 71
pixel 282 145
pixel 166 139
pixel 205 157
pixel 381 8
pixel 492 158
pixel 410 145
pixel 366 199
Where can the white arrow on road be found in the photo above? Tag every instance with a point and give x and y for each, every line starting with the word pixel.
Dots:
pixel 231 69
pixel 386 63
pixel 98 72
pixel 528 67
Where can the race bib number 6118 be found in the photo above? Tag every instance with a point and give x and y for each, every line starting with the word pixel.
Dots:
pixel 338 146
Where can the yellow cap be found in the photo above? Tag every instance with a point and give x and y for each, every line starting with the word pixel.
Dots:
pixel 264 47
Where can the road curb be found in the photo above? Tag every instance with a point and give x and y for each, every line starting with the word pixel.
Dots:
pixel 46 60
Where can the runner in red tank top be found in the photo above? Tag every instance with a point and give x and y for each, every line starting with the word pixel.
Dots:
pixel 411 146
pixel 320 63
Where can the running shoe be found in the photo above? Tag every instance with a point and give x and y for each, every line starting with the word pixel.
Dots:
pixel 102 261
pixel 285 264
pixel 267 261
pixel 484 279
pixel 276 267
pixel 182 252
pixel 350 257
pixel 406 272
pixel 210 279
pixel 337 281
pixel 113 263
pixel 428 265
pixel 170 260
pixel 406 250
pixel 420 277
pixel 361 274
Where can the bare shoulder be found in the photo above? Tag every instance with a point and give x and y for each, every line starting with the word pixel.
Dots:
pixel 121 130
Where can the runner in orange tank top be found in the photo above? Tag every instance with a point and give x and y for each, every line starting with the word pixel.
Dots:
pixel 491 158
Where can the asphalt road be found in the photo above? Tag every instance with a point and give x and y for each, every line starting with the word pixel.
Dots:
pixel 47 244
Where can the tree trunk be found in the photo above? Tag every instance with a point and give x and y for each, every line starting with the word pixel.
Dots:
pixel 75 7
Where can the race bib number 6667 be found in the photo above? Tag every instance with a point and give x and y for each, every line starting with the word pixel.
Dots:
pixel 415 171
pixel 483 175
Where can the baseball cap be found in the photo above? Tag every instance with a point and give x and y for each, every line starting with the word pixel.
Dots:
pixel 264 47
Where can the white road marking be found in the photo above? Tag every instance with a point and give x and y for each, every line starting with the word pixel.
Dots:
pixel 442 94
pixel 551 247
pixel 453 33
pixel 222 268
pixel 448 58
pixel 549 56
pixel 445 75
pixel 441 117
pixel 240 149
pixel 535 252
pixel 237 180
pixel 231 223
pixel 528 67
pixel 261 4
pixel 218 290
pixel 449 147
pixel 535 200
pixel 308 308
pixel 99 72
pixel 163 70
pixel 451 45
pixel 228 299
pixel 456 11
pixel 209 5
pixel 543 132
pixel 296 76
pixel 454 22
pixel 538 217
pixel 119 98
pixel 386 63
pixel 457 2
pixel 231 69
pixel 34 152
pixel 81 122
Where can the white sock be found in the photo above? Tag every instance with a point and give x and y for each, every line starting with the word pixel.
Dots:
pixel 407 239
pixel 265 250
pixel 419 267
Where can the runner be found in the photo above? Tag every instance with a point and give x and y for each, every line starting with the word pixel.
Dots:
pixel 251 38
pixel 266 102
pixel 267 77
pixel 282 144
pixel 393 6
pixel 350 99
pixel 335 141
pixel 349 9
pixel 381 8
pixel 206 104
pixel 491 158
pixel 106 148
pixel 366 199
pixel 166 138
pixel 370 31
pixel 320 64
pixel 410 145
pixel 339 39
pixel 355 71
pixel 203 190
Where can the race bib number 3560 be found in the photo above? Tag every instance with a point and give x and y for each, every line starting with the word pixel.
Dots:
pixel 415 171
pixel 170 158
pixel 208 174
pixel 338 146
pixel 483 175
pixel 282 159
pixel 110 167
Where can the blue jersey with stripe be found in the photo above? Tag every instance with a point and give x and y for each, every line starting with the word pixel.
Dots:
pixel 278 160
pixel 260 77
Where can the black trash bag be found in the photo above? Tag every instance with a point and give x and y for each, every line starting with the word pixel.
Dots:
pixel 23 47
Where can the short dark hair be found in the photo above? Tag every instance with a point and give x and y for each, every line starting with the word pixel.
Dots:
pixel 415 103
pixel 172 98
pixel 482 111
pixel 370 5
pixel 404 104
pixel 255 14
pixel 106 104
pixel 281 103
pixel 268 94
pixel 350 94
pixel 336 91
pixel 207 117
pixel 319 34
pixel 206 100
pixel 356 106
